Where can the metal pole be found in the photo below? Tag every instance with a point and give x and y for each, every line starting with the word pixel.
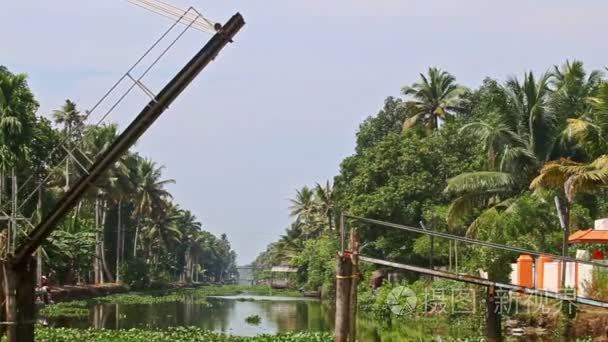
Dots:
pixel 142 122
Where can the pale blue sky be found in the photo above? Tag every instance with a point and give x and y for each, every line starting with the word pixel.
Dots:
pixel 279 108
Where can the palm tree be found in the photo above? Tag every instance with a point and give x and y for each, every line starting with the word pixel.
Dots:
pixel 97 139
pixel 571 89
pixel 17 119
pixel 302 206
pixel 325 202
pixel 573 177
pixel 72 120
pixel 588 129
pixel 495 136
pixel 530 117
pixel 17 108
pixel 522 139
pixel 434 99
pixel 149 192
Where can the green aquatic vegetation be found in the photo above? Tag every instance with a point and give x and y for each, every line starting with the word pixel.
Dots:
pixel 181 334
pixel 67 309
pixel 245 300
pixel 260 290
pixel 253 319
pixel 198 295
pixel 142 298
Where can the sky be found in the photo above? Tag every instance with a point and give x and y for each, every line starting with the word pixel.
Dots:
pixel 279 108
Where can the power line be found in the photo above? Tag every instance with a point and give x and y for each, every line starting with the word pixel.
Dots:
pixel 62 144
pixel 172 12
pixel 472 241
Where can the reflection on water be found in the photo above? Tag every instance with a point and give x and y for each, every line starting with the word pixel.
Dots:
pixel 227 314
pixel 222 314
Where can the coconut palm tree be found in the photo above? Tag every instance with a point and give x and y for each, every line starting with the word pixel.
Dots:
pixel 149 192
pixel 589 128
pixel 522 139
pixel 16 122
pixel 72 122
pixel 433 100
pixel 571 87
pixel 302 206
pixel 495 135
pixel 17 119
pixel 325 202
pixel 573 177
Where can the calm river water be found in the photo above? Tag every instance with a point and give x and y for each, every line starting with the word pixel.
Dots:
pixel 227 314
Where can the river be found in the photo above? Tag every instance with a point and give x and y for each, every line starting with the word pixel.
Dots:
pixel 228 314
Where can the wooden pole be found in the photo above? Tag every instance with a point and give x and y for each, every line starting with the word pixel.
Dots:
pixel 343 284
pixel 354 248
pixel 39 250
pixel 9 284
pixel 14 210
pixel 493 326
pixel 26 303
pixel 564 219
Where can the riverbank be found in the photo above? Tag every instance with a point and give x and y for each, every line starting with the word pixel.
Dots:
pixel 73 301
pixel 78 292
pixel 67 293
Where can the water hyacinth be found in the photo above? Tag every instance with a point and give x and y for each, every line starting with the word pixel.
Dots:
pixel 181 334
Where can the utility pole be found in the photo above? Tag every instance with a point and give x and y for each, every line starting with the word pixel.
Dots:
pixel 354 256
pixel 493 324
pixel 343 287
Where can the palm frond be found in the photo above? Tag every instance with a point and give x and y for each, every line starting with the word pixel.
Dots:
pixel 479 181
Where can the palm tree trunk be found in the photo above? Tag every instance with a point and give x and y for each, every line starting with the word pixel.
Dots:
pixel 67 173
pixel 68 130
pixel 135 239
pixel 39 252
pixel 97 242
pixel 104 262
pixel 118 241
pixel 1 185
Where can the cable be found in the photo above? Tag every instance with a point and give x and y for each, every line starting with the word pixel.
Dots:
pixel 79 128
pixel 173 13
pixel 472 241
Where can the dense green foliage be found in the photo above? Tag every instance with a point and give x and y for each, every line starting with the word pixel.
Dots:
pixel 128 228
pixel 172 334
pixel 485 162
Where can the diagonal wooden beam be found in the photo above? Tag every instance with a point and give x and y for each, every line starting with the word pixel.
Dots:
pixel 127 138
pixel 465 278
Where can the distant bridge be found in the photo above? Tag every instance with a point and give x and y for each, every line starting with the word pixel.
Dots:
pixel 245 275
